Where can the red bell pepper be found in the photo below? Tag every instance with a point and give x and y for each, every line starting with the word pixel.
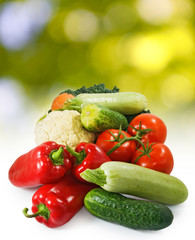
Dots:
pixel 46 163
pixel 87 155
pixel 55 204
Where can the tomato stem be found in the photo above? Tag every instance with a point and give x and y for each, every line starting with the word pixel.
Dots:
pixel 139 157
pixel 123 140
pixel 146 151
pixel 116 138
pixel 137 137
pixel 141 132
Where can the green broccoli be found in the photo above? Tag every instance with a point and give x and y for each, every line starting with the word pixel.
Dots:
pixel 97 88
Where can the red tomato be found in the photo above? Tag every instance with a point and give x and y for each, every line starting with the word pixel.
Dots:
pixel 147 120
pixel 160 158
pixel 124 152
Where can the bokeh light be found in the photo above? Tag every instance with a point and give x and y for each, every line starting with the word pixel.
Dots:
pixel 155 12
pixel 148 53
pixel 81 25
pixel 141 45
pixel 22 21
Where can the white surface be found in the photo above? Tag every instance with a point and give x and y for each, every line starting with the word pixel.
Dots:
pixel 15 141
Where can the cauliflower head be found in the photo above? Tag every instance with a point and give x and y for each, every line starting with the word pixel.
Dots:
pixel 63 127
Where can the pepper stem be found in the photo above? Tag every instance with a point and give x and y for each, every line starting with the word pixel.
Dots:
pixel 80 156
pixel 57 156
pixel 42 211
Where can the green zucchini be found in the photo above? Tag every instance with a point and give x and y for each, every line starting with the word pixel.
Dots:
pixel 128 178
pixel 123 102
pixel 132 213
pixel 96 118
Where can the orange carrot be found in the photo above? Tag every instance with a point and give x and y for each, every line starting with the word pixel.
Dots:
pixel 59 101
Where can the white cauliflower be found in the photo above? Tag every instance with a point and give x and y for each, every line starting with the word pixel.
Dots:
pixel 63 127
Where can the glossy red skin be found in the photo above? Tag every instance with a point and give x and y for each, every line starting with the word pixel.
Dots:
pixel 95 157
pixel 63 199
pixel 124 152
pixel 150 121
pixel 161 158
pixel 36 168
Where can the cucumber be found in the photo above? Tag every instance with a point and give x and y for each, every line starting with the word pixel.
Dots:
pixel 96 118
pixel 132 213
pixel 128 178
pixel 123 102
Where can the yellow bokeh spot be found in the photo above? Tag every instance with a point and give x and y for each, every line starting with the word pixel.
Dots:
pixel 81 25
pixel 155 12
pixel 154 52
pixel 177 91
pixel 104 55
pixel 148 53
pixel 181 41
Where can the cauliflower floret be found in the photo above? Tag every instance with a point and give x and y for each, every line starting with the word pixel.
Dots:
pixel 63 127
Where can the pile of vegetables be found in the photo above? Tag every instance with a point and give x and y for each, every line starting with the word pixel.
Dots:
pixel 93 146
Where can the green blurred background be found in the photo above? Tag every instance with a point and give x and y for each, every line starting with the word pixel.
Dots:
pixel 139 45
pixel 46 46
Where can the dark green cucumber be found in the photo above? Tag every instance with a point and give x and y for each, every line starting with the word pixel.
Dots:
pixel 132 213
pixel 97 118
